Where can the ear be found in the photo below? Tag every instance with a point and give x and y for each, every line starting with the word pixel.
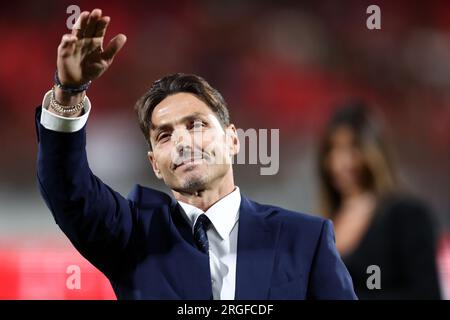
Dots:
pixel 232 140
pixel 154 164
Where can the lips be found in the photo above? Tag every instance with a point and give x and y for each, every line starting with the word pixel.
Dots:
pixel 186 162
pixel 192 160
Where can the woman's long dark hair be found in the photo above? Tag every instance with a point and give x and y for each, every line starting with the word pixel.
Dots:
pixel 378 173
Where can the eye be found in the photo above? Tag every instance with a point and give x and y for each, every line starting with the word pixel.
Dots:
pixel 197 124
pixel 163 137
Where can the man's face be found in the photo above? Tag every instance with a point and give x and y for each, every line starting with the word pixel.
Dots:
pixel 192 151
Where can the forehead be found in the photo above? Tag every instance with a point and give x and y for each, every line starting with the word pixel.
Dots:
pixel 342 135
pixel 178 106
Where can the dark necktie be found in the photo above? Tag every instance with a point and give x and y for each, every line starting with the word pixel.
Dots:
pixel 201 239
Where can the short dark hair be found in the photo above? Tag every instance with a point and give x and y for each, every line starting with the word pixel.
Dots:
pixel 176 83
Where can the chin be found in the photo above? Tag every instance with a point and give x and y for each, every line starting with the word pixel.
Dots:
pixel 193 181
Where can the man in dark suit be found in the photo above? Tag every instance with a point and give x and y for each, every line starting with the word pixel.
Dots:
pixel 207 241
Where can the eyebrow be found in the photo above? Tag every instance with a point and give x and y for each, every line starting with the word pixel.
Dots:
pixel 164 127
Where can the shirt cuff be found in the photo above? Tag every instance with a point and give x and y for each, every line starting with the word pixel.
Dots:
pixel 59 123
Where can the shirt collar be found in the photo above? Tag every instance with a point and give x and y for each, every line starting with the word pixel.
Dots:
pixel 223 214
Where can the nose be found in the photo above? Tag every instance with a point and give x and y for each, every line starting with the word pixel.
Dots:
pixel 182 146
pixel 181 139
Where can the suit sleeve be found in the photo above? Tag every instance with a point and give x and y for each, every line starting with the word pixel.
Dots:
pixel 96 219
pixel 329 278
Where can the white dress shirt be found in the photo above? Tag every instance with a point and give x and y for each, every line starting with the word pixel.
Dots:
pixel 224 214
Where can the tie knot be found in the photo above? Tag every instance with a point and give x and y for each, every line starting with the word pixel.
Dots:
pixel 203 221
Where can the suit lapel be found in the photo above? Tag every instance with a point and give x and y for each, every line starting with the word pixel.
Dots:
pixel 255 252
pixel 194 281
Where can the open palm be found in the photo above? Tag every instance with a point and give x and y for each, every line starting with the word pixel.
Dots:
pixel 81 56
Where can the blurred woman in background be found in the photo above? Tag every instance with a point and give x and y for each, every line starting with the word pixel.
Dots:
pixel 374 223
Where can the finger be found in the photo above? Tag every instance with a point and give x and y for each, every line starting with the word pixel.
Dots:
pixel 113 47
pixel 67 44
pixel 67 40
pixel 92 23
pixel 80 25
pixel 102 24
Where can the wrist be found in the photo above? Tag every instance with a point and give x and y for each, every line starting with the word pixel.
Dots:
pixel 73 115
pixel 68 106
pixel 71 89
pixel 68 99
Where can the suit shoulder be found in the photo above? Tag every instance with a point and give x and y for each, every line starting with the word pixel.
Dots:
pixel 145 197
pixel 297 228
pixel 290 217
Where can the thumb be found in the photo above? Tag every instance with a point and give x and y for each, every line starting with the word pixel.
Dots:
pixel 113 47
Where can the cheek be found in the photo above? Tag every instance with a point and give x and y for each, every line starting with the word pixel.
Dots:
pixel 332 162
pixel 162 158
pixel 213 142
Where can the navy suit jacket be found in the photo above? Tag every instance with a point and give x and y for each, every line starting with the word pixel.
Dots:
pixel 145 247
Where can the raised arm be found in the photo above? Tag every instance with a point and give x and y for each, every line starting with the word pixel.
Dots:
pixel 97 220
